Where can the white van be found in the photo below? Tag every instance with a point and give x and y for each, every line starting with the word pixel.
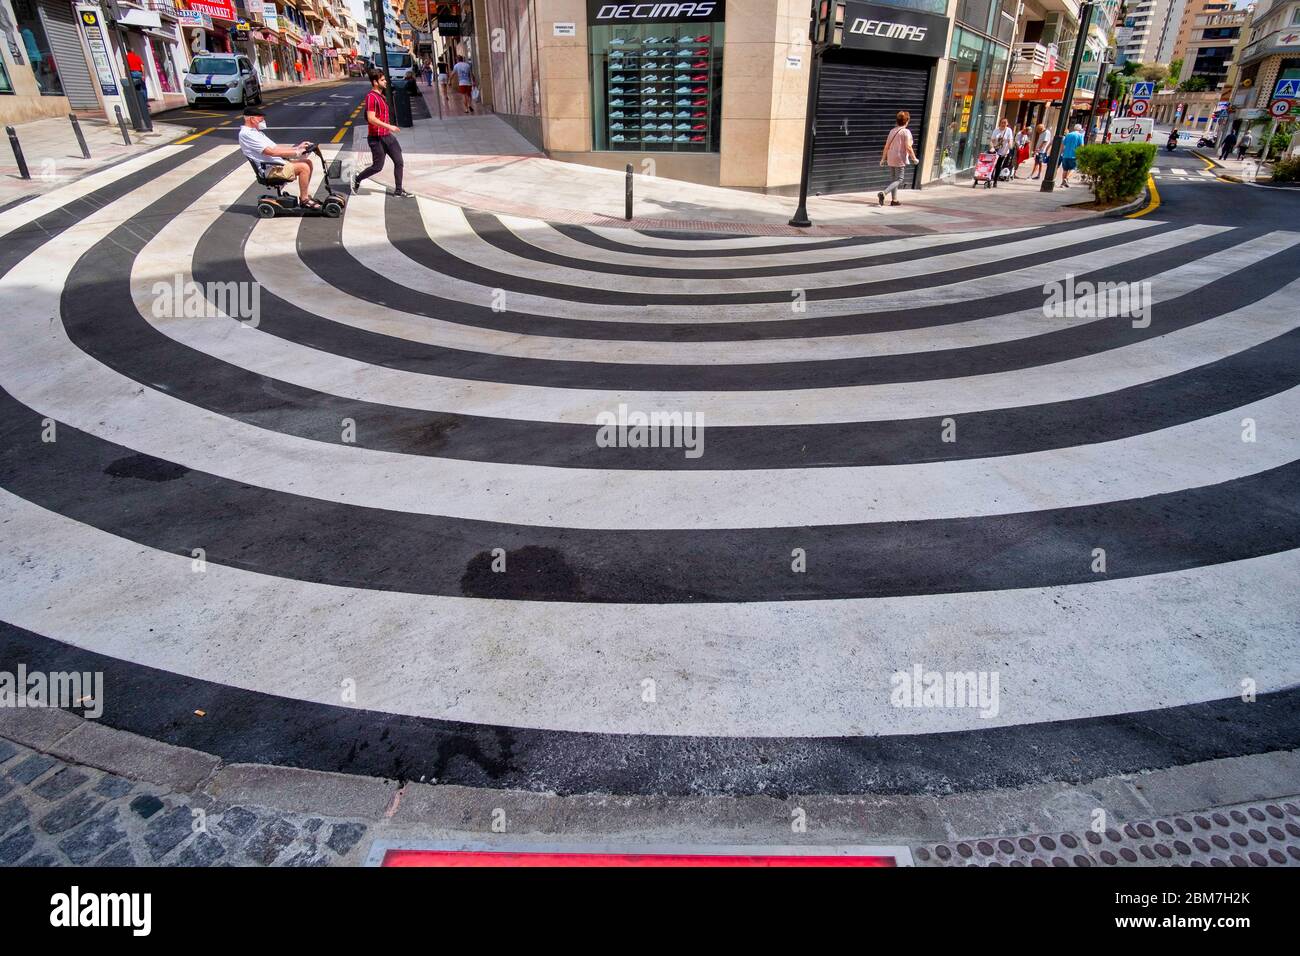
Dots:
pixel 400 64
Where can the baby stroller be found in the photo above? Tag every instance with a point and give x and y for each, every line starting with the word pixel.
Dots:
pixel 984 166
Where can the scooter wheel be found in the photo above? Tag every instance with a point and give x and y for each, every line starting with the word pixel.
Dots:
pixel 266 210
pixel 333 209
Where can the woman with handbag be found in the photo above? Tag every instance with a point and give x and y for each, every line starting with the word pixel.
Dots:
pixel 897 155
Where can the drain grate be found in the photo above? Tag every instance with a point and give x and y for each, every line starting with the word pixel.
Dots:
pixel 1265 833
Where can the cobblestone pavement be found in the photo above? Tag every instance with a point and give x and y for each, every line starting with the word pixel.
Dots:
pixel 55 813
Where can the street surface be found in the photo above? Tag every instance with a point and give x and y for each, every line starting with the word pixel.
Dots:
pixel 364 517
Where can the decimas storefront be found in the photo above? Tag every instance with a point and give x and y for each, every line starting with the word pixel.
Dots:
pixel 884 63
pixel 716 91
pixel 972 97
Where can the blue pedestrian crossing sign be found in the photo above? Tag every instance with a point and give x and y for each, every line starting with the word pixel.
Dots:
pixel 1287 90
pixel 1143 91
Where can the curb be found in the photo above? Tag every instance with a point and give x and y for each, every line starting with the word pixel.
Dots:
pixel 1132 206
pixel 415 811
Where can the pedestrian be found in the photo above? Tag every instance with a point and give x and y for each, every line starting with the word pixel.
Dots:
pixel 442 84
pixel 379 136
pixel 1069 146
pixel 1023 140
pixel 428 73
pixel 1229 141
pixel 1004 144
pixel 1042 147
pixel 1244 144
pixel 897 155
pixel 464 82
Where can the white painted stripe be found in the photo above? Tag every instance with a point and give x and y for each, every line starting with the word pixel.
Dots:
pixel 636 240
pixel 447 227
pixel 544 236
pixel 47 202
pixel 800 668
pixel 286 276
pixel 1178 171
pixel 373 250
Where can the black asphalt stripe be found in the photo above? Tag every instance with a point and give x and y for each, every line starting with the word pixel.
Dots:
pixel 587 237
pixel 407 233
pixel 243 726
pixel 27 238
pixel 159 505
pixel 492 231
pixel 1248 285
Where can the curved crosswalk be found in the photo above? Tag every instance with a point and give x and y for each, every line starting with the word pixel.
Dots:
pixel 414 467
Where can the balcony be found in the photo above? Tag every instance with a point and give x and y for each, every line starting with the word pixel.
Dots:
pixel 166 7
pixel 1029 60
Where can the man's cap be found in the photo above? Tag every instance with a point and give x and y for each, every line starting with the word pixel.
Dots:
pixel 253 111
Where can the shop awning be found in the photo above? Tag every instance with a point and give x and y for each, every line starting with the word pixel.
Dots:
pixel 140 18
pixel 305 47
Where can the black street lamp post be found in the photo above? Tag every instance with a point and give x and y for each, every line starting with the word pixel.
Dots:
pixel 1067 98
pixel 800 218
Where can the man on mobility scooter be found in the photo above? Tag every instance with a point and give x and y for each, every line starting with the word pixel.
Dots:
pixel 277 164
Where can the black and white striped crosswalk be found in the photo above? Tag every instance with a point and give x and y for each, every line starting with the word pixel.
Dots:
pixel 390 479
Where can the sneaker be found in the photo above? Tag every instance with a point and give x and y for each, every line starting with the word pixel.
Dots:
pixel 683 65
pixel 354 182
pixel 652 40
pixel 681 139
pixel 617 114
pixel 682 90
pixel 700 103
pixel 698 90
pixel 616 55
pixel 649 102
pixel 620 138
pixel 401 194
pixel 697 139
pixel 702 65
pixel 702 78
pixel 619 79
pixel 616 126
pixel 699 128
pixel 649 89
pixel 683 102
pixel 699 115
pixel 683 114
pixel 650 78
pixel 682 78
pixel 683 127
pixel 880 198
pixel 617 91
pixel 686 41
pixel 704 39
pixel 616 103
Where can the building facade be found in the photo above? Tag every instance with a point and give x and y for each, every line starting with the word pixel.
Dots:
pixel 1269 53
pixel 716 91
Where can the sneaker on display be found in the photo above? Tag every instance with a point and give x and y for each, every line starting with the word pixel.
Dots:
pixel 702 78
pixel 650 103
pixel 683 65
pixel 615 125
pixel 697 139
pixel 700 128
pixel 704 39
pixel 700 103
pixel 665 127
pixel 682 78
pixel 649 89
pixel 617 41
pixel 616 55
pixel 681 139
pixel 617 103
pixel 686 40
pixel 649 40
pixel 616 91
pixel 699 115
pixel 619 138
pixel 683 102
pixel 702 65
pixel 698 90
pixel 650 78
pixel 683 114
pixel 683 127
pixel 618 79
pixel 617 114
pixel 682 90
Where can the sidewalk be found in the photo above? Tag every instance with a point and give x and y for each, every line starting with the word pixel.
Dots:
pixel 1249 170
pixel 53 157
pixel 481 162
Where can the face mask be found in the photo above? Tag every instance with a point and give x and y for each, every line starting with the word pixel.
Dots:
pixel 261 124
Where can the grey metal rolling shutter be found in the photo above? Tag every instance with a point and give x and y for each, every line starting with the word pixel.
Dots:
pixel 65 44
pixel 855 112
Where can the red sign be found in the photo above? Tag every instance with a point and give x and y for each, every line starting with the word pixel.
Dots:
pixel 217 9
pixel 1049 86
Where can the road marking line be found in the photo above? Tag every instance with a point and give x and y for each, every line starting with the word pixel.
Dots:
pixel 1153 204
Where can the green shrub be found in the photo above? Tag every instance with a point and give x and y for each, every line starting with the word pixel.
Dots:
pixel 1286 170
pixel 1281 140
pixel 1118 170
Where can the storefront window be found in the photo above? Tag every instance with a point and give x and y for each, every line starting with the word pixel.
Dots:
pixel 39 55
pixel 972 99
pixel 162 58
pixel 5 85
pixel 657 86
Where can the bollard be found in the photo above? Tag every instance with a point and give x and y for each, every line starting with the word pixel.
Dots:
pixel 81 139
pixel 18 153
pixel 121 124
pixel 627 195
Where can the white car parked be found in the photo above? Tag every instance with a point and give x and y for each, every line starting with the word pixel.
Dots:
pixel 227 77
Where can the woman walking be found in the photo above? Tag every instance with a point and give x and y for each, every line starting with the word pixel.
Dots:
pixel 1042 146
pixel 1023 140
pixel 897 155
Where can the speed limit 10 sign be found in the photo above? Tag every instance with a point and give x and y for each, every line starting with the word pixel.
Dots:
pixel 1280 108
pixel 1139 108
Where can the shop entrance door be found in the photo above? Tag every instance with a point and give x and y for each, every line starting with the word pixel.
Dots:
pixel 855 112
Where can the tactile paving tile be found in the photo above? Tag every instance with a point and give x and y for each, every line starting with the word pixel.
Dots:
pixel 1265 833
